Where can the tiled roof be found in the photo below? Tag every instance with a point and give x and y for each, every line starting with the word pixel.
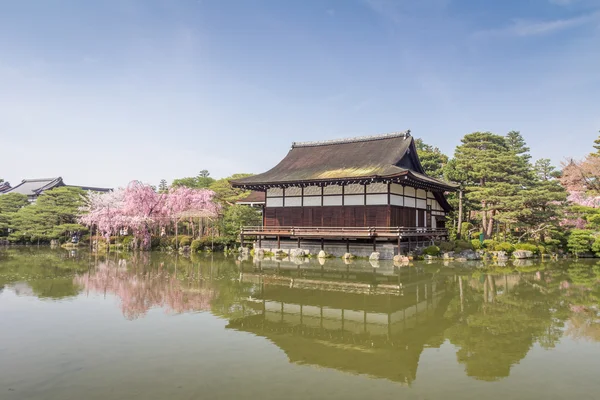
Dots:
pixel 4 187
pixel 33 187
pixel 253 197
pixel 367 157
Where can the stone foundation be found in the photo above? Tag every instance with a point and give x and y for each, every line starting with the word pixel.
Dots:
pixel 387 250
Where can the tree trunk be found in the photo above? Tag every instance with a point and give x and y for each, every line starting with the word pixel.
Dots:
pixel 460 214
pixel 490 227
pixel 484 224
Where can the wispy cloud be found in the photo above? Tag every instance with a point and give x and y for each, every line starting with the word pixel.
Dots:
pixel 525 27
pixel 563 2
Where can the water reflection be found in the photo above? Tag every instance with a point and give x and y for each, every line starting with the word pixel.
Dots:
pixel 374 320
pixel 140 289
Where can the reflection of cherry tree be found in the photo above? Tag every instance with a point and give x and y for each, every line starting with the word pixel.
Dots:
pixel 141 291
pixel 584 323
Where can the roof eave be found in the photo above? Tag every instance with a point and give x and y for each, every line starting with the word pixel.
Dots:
pixel 396 178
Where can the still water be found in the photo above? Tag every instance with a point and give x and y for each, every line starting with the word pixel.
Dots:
pixel 154 326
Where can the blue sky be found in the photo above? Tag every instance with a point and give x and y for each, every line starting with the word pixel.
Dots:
pixel 104 92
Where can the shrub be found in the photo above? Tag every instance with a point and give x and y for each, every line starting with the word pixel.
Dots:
pixel 461 245
pixel 155 242
pixel 476 244
pixel 580 241
pixel 208 243
pixel 490 244
pixel 596 246
pixel 504 246
pixel 432 251
pixel 446 246
pixel 127 240
pixel 196 245
pixel 184 241
pixel 529 247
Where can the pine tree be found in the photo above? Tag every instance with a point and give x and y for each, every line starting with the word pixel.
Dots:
pixel 597 147
pixel 432 159
pixel 496 174
pixel 162 186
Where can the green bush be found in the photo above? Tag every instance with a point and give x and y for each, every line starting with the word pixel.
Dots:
pixel 446 246
pixel 155 242
pixel 506 247
pixel 580 241
pixel 528 247
pixel 208 243
pixel 490 244
pixel 461 245
pixel 476 244
pixel 432 251
pixel 127 241
pixel 184 241
pixel 196 245
pixel 596 246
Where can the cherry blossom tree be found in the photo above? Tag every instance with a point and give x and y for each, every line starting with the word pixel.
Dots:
pixel 141 209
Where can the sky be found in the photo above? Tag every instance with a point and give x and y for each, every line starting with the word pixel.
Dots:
pixel 105 92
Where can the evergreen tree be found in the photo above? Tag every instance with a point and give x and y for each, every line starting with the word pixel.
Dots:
pixel 596 146
pixel 516 144
pixel 162 186
pixel 227 194
pixel 10 203
pixel 490 175
pixel 53 215
pixel 580 241
pixel 543 203
pixel 202 181
pixel 432 159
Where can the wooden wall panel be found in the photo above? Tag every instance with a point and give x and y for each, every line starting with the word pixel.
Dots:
pixel 348 216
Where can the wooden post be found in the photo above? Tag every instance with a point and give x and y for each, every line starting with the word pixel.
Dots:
pixel 242 239
pixel 322 244
pixel 298 242
pixel 278 242
pixel 399 244
pixel 259 242
pixel 347 245
pixel 374 244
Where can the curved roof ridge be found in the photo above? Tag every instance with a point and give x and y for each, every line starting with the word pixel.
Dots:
pixel 41 179
pixel 404 134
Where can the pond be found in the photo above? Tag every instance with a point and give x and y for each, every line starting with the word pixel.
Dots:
pixel 74 325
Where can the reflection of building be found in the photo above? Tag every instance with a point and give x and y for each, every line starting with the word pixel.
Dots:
pixel 364 189
pixel 33 188
pixel 357 329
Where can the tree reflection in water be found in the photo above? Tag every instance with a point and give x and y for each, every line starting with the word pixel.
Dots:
pixel 341 316
pixel 140 288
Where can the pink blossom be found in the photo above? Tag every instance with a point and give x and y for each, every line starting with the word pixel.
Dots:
pixel 139 208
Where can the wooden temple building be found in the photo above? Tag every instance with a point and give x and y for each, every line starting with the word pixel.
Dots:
pixel 369 189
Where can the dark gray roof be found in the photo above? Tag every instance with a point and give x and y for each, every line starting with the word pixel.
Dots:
pixel 4 187
pixel 369 157
pixel 91 188
pixel 34 187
